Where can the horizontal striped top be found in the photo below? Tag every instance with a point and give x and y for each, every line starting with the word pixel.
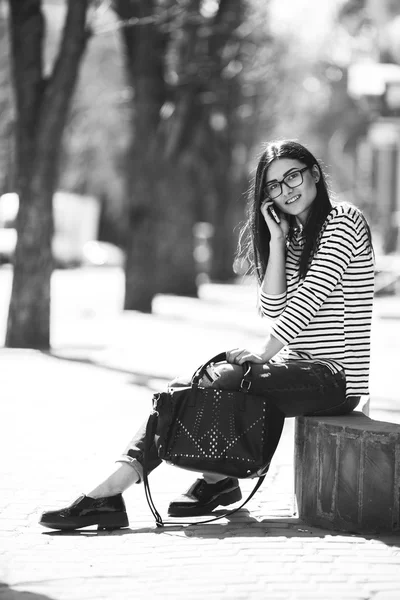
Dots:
pixel 327 315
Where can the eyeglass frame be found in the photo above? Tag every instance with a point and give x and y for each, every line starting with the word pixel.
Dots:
pixel 301 171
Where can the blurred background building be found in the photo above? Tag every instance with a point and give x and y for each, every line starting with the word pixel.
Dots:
pixel 374 84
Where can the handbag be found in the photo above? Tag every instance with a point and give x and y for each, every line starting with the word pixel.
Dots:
pixel 229 432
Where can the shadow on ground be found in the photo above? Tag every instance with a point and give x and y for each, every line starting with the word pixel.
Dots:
pixel 242 525
pixel 7 593
pixel 138 378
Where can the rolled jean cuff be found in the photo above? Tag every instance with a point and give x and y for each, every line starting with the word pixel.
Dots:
pixel 134 463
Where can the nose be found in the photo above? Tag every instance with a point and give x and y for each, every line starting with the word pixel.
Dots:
pixel 288 189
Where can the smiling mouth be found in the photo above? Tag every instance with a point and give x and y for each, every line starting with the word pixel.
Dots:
pixel 293 199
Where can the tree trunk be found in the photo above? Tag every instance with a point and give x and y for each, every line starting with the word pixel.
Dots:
pixel 223 241
pixel 167 149
pixel 144 69
pixel 175 239
pixel 42 108
pixel 6 109
pixel 141 264
pixel 224 178
pixel 160 246
pixel 159 206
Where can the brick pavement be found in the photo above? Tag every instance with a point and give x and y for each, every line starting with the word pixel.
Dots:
pixel 63 421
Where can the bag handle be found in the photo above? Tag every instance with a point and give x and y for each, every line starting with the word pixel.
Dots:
pixel 245 384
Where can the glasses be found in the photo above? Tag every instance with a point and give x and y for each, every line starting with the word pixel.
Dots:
pixel 292 180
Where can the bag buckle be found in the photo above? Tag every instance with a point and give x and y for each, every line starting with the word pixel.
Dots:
pixel 245 385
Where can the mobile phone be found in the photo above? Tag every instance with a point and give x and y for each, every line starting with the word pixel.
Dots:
pixel 273 214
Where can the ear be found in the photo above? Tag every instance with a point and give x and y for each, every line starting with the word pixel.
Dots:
pixel 316 173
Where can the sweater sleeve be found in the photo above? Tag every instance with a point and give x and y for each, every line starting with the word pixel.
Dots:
pixel 337 247
pixel 272 305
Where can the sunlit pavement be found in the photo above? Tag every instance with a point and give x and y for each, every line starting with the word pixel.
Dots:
pixel 66 416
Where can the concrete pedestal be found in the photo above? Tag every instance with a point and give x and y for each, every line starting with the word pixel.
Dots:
pixel 347 473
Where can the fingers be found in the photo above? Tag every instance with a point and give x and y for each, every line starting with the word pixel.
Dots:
pixel 238 356
pixel 251 357
pixel 265 212
pixel 266 207
pixel 232 356
pixel 273 226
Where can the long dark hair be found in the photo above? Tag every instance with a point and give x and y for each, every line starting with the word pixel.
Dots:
pixel 255 236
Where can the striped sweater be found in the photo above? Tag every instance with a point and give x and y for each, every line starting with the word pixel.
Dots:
pixel 327 315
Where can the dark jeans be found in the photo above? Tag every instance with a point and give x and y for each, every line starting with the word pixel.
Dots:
pixel 300 387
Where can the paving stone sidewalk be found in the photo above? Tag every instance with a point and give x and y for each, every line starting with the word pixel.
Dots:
pixel 65 417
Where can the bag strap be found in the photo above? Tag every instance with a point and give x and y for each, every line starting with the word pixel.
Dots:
pixel 198 374
pixel 245 384
pixel 150 432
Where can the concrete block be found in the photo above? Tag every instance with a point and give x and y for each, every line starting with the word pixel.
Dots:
pixel 347 473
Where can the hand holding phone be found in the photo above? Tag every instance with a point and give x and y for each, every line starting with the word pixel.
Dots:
pixel 269 210
pixel 276 220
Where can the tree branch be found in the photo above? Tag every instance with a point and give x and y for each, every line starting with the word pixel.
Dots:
pixel 144 56
pixel 60 86
pixel 27 31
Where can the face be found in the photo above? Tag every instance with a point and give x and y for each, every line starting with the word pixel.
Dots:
pixel 295 201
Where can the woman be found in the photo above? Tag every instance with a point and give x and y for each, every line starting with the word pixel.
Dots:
pixel 314 263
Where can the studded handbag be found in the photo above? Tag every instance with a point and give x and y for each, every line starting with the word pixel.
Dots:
pixel 204 429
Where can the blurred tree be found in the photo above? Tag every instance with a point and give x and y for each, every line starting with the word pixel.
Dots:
pixel 221 132
pixel 97 133
pixel 191 137
pixel 246 87
pixel 42 104
pixel 151 195
pixel 6 109
pixel 219 81
pixel 160 196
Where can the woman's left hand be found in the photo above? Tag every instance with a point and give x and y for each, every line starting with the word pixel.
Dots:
pixel 238 356
pixel 259 355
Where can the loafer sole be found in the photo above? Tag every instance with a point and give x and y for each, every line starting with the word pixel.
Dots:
pixel 196 509
pixel 112 521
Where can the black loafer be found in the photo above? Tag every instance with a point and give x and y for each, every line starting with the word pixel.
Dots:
pixel 202 497
pixel 107 513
